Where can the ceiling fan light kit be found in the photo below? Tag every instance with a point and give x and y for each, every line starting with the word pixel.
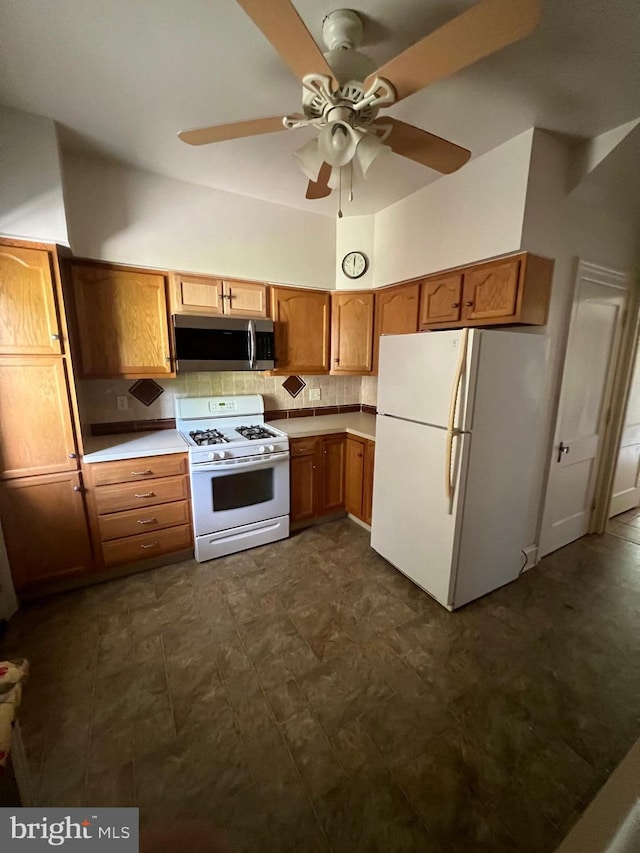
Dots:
pixel 343 92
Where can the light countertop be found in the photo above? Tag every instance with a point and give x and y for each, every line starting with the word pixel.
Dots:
pixel 356 423
pixel 129 445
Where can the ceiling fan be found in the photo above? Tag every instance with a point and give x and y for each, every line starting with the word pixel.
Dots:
pixel 343 92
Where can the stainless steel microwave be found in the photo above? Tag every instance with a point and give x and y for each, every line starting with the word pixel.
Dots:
pixel 222 343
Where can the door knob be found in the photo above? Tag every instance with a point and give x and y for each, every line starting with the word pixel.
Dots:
pixel 562 450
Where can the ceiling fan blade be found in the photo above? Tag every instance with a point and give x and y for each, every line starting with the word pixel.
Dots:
pixel 425 148
pixel 320 188
pixel 480 31
pixel 284 28
pixel 234 130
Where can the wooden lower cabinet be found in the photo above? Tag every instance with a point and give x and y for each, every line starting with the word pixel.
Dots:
pixel 45 528
pixel 329 474
pixel 317 476
pixel 140 508
pixel 359 477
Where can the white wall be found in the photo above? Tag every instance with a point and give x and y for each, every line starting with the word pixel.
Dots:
pixel 565 227
pixel 31 201
pixel 468 216
pixel 355 233
pixel 126 215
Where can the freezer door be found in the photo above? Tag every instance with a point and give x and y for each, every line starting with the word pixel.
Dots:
pixel 414 526
pixel 417 376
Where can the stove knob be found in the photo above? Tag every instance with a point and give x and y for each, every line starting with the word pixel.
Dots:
pixel 271 448
pixel 221 454
pixel 262 450
pixel 211 456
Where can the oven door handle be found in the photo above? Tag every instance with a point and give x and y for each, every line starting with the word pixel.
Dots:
pixel 201 468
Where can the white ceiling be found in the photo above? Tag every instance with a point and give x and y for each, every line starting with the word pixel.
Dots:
pixel 123 77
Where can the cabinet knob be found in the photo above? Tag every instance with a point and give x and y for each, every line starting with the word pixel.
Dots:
pixel 167 358
pixel 469 303
pixel 55 337
pixel 314 467
pixel 455 304
pixel 336 361
pixel 78 489
pixel 360 455
pixel 72 455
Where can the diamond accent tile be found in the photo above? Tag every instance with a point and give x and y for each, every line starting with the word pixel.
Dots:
pixel 293 385
pixel 146 390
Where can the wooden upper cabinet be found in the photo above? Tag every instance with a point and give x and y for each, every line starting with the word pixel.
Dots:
pixel 28 320
pixel 192 294
pixel 352 332
pixel 122 322
pixel 197 295
pixel 245 299
pixel 490 291
pixel 440 300
pixel 301 324
pixel 45 528
pixel 36 433
pixel 515 289
pixel 396 313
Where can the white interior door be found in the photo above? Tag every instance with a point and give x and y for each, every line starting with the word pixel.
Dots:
pixel 592 350
pixel 626 491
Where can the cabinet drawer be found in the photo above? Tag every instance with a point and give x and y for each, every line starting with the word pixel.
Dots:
pixel 305 446
pixel 146 545
pixel 134 521
pixel 131 495
pixel 130 470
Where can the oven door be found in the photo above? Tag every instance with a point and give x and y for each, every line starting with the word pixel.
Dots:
pixel 230 493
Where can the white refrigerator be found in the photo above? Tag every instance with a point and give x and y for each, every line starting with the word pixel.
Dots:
pixel 456 433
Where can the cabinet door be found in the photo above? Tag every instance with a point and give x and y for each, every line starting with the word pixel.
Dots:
pixel 396 313
pixel 28 321
pixel 440 300
pixel 354 476
pixel 367 490
pixel 304 472
pixel 333 473
pixel 245 299
pixel 490 292
pixel 301 322
pixel 36 434
pixel 122 322
pixel 197 295
pixel 45 528
pixel 351 332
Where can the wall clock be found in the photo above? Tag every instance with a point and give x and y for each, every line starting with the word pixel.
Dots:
pixel 355 264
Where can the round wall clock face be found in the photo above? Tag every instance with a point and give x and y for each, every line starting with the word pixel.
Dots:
pixel 354 264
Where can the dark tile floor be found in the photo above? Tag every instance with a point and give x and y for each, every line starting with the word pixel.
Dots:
pixel 626 525
pixel 306 697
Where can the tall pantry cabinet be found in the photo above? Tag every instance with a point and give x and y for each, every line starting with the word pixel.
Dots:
pixel 42 505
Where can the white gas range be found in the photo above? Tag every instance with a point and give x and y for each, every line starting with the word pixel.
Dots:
pixel 239 470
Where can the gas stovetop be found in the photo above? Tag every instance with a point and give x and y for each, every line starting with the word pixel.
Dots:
pixel 235 433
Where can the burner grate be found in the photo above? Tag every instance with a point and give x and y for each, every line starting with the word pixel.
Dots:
pixel 255 432
pixel 208 436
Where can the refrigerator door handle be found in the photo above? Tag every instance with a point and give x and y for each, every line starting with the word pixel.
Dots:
pixel 451 430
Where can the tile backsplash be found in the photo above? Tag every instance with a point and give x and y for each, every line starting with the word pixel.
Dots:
pixel 97 398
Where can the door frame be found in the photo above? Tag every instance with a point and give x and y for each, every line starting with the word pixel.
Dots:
pixel 620 369
pixel 618 409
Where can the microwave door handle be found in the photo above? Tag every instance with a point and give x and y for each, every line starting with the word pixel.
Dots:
pixel 252 344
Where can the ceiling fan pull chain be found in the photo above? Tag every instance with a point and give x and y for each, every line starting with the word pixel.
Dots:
pixel 351 180
pixel 340 194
